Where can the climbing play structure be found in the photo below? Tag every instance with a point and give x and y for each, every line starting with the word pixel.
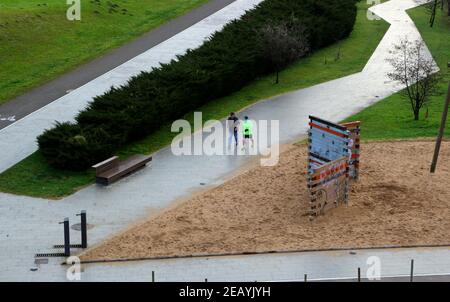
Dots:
pixel 333 160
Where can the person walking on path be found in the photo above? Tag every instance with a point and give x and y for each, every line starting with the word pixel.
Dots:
pixel 233 128
pixel 247 129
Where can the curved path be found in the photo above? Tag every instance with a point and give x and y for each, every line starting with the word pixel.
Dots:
pixel 30 225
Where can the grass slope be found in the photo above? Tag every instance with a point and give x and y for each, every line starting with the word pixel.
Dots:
pixel 392 117
pixel 38 43
pixel 34 177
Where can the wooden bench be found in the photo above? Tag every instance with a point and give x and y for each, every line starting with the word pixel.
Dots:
pixel 113 169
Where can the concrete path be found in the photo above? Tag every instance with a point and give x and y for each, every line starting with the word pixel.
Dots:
pixel 30 225
pixel 66 107
pixel 45 94
pixel 318 266
pixel 431 264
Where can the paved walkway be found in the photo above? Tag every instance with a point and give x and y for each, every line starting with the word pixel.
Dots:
pixel 342 265
pixel 30 225
pixel 45 94
pixel 66 107
pixel 394 264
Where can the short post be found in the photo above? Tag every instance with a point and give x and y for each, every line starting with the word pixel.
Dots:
pixel 83 229
pixel 359 274
pixel 411 278
pixel 66 237
pixel 153 276
pixel 441 132
pixel 306 278
pixel 206 279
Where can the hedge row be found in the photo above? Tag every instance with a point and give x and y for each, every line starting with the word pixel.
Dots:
pixel 229 60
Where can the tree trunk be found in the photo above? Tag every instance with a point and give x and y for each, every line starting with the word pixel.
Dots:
pixel 278 77
pixel 433 13
pixel 416 115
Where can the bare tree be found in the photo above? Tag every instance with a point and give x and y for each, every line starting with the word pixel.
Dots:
pixel 283 44
pixel 418 72
pixel 432 8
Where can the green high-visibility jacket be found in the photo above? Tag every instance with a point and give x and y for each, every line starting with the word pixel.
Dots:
pixel 247 127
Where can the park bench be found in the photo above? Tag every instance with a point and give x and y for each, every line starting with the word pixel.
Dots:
pixel 113 169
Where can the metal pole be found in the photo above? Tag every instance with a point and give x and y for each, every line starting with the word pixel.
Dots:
pixel 441 132
pixel 153 276
pixel 83 229
pixel 66 237
pixel 412 271
pixel 359 274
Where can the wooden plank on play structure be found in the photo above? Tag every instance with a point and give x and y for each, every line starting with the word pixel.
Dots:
pixel 328 186
pixel 355 146
pixel 327 142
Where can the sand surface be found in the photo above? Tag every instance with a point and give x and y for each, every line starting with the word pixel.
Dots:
pixel 396 202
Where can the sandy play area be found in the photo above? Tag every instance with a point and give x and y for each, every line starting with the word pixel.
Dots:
pixel 396 202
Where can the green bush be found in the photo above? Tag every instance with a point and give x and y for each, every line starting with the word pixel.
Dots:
pixel 69 147
pixel 229 60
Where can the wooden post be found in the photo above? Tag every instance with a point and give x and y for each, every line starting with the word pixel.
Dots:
pixel 153 276
pixel 359 274
pixel 441 132
pixel 306 278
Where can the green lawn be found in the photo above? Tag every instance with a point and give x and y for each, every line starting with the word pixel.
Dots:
pixel 392 117
pixel 38 43
pixel 35 178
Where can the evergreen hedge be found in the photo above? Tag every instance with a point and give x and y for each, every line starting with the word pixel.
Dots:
pixel 229 60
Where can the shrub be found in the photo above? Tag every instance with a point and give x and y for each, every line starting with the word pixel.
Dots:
pixel 70 147
pixel 225 63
